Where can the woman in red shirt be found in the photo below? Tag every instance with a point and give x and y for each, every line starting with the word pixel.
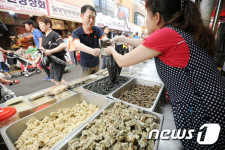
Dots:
pixel 183 49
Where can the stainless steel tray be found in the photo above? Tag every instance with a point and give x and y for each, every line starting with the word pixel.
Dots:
pixel 21 110
pixel 12 132
pixel 79 85
pixel 139 81
pixel 84 86
pixel 64 145
pixel 61 99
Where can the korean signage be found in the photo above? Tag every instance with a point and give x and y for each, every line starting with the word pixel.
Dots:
pixel 6 18
pixel 112 23
pixel 64 11
pixel 35 7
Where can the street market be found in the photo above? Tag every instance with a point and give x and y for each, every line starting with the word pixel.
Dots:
pixel 112 75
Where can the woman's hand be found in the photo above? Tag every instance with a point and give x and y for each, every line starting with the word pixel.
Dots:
pixel 48 52
pixel 118 39
pixel 109 50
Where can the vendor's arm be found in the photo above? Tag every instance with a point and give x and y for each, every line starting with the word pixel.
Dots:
pixel 133 42
pixel 123 39
pixel 131 58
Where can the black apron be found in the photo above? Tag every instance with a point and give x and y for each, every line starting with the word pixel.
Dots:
pixel 197 93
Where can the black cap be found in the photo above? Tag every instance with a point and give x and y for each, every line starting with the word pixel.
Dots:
pixel 28 22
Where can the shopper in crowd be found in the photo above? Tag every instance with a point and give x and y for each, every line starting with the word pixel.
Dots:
pixel 37 36
pixel 71 49
pixel 106 32
pixel 136 36
pixel 86 39
pixel 67 55
pixel 65 38
pixel 183 49
pixel 51 37
pixel 3 66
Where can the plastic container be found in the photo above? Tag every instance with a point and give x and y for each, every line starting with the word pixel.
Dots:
pixel 42 107
pixel 8 115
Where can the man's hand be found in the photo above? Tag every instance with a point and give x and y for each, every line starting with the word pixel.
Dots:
pixel 96 52
pixel 48 52
pixel 8 51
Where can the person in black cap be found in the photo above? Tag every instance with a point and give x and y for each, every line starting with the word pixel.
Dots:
pixel 37 35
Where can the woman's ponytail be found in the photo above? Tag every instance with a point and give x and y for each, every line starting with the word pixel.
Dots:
pixel 193 24
pixel 184 14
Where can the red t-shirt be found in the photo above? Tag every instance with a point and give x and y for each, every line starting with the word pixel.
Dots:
pixel 173 48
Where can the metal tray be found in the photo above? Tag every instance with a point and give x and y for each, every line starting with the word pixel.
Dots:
pixel 64 144
pixel 80 86
pixel 81 80
pixel 12 132
pixel 22 112
pixel 139 81
pixel 84 87
pixel 61 99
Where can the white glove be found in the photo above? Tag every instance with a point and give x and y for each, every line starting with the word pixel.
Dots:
pixel 118 39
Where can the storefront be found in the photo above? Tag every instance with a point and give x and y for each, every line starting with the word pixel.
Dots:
pixel 17 36
pixel 66 18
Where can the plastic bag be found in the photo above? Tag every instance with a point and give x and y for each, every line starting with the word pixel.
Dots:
pixel 112 67
pixel 46 59
pixel 54 58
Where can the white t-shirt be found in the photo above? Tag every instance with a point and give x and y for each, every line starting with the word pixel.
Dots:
pixel 1 56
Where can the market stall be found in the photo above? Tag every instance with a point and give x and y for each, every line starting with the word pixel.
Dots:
pixel 60 99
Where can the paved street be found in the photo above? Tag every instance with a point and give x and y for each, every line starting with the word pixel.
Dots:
pixel 35 82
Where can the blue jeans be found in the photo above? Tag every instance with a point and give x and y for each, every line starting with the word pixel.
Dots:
pixel 4 67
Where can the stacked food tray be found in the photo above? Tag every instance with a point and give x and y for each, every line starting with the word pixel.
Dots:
pixel 14 131
pixel 140 93
pixel 104 86
pixel 126 91
pixel 118 134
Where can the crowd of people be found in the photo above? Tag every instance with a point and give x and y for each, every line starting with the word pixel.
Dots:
pixel 84 40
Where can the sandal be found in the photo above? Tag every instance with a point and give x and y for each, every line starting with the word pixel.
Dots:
pixel 14 82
